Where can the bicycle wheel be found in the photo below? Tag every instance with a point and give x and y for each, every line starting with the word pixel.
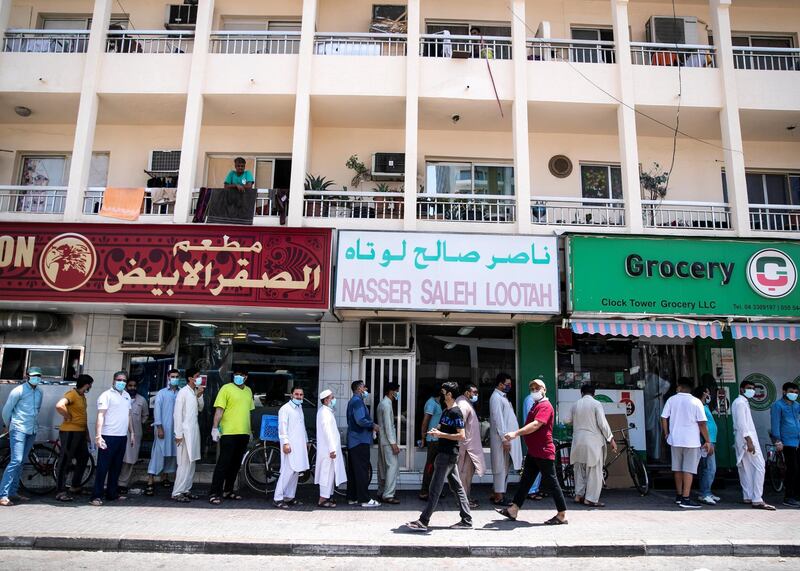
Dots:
pixel 638 472
pixel 38 475
pixel 776 469
pixel 87 472
pixel 564 471
pixel 262 466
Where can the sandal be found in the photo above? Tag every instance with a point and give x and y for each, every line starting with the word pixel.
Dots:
pixel 64 497
pixel 214 500
pixel 393 501
pixel 181 499
pixel 555 521
pixel 579 500
pixel 423 497
pixel 326 504
pixel 473 504
pixel 506 514
pixel 149 490
pixel 96 502
pixel 763 506
pixel 231 496
pixel 589 504
pixel 191 496
pixel 281 505
pixel 292 502
pixel 166 484
pixel 6 502
pixel 536 496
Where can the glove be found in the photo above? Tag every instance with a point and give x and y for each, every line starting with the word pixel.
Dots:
pixel 215 434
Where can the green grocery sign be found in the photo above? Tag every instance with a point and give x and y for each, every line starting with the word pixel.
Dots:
pixel 683 276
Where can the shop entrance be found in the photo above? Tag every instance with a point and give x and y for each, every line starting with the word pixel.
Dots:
pixel 382 369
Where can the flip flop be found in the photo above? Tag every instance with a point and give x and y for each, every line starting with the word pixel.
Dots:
pixel 505 513
pixel 96 502
pixel 64 497
pixel 181 499
pixel 326 504
pixel 231 496
pixel 6 502
pixel 214 500
pixel 555 521
pixel 149 490
pixel 589 504
pixel 762 506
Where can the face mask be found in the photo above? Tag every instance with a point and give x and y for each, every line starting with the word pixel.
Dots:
pixel 120 385
pixel 397 394
pixel 298 402
pixel 707 400
pixel 364 395
pixel 791 396
pixel 198 382
pixel 473 398
pixel 35 380
pixel 749 393
pixel 537 395
pixel 332 404
pixel 238 380
pixel 506 388
pixel 132 392
pixel 173 381
pixel 182 383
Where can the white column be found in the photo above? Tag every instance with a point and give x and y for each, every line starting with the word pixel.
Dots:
pixel 302 114
pixel 519 118
pixel 729 118
pixel 626 119
pixel 5 15
pixel 193 119
pixel 412 116
pixel 87 112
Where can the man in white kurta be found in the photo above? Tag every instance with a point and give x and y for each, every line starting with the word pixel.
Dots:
pixel 590 433
pixel 188 405
pixel 294 451
pixel 470 450
pixel 504 453
pixel 329 469
pixel 388 449
pixel 140 413
pixel 749 459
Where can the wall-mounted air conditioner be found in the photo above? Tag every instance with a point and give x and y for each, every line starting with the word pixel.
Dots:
pixel 388 166
pixel 164 161
pixel 181 16
pixel 669 30
pixel 388 335
pixel 142 333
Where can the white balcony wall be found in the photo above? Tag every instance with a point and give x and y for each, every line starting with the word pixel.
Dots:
pixel 466 79
pixel 346 15
pixel 251 74
pixel 485 146
pixel 563 15
pixel 27 14
pixel 655 85
pixel 138 73
pixel 772 155
pixel 41 72
pixel 559 81
pixel 767 16
pixel 768 90
pixel 359 75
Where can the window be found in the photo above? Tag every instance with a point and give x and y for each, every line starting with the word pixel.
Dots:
pixel 469 178
pixel 761 60
pixel 778 189
pixel 55 362
pixel 601 181
pixel 588 54
pixel 52 169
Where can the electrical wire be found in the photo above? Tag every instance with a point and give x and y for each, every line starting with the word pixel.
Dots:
pixel 124 11
pixel 678 113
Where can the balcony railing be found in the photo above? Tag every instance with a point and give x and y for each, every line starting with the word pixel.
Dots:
pixel 467 208
pixel 775 217
pixel 360 44
pixel 46 41
pixel 577 51
pixel 254 42
pixel 149 41
pixel 767 59
pixel 33 199
pixel 450 46
pixel 93 202
pixel 265 202
pixel 558 211
pixel 673 55
pixel 686 214
pixel 360 205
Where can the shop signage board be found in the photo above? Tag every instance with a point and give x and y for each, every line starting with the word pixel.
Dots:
pixel 166 264
pixel 447 272
pixel 682 276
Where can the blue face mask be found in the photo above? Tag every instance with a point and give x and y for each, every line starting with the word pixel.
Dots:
pixel 474 398
pixel 397 394
pixel 749 393
pixel 791 396
pixel 35 380
pixel 332 404
pixel 238 380
pixel 298 402
pixel 198 382
pixel 182 383
pixel 120 385
pixel 364 395
pixel 173 381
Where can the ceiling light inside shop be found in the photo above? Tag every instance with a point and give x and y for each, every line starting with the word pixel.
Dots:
pixel 466 330
pixel 201 325
pixel 450 346
pixel 313 337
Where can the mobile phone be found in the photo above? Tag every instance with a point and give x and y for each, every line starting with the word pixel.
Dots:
pixel 203 380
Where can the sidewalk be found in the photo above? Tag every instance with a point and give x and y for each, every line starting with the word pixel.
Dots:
pixel 629 526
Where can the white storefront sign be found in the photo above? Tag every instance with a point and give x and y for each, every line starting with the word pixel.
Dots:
pixel 447 272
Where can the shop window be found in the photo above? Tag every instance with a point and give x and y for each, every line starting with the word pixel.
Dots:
pixel 601 181
pixel 56 363
pixel 469 178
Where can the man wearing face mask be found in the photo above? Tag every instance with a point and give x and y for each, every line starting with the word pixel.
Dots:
pixel 749 459
pixel 329 469
pixel 785 433
pixel 470 451
pixel 162 456
pixel 188 405
pixel 113 433
pixel 294 449
pixel 140 413
pixel 388 450
pixel 231 428
pixel 707 469
pixel 19 415
pixel 431 414
pixel 504 453
pixel 74 436
pixel 360 429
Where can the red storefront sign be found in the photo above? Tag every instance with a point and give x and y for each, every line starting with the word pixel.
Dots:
pixel 147 263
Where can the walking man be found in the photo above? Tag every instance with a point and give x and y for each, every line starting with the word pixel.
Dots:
pixel 538 433
pixel 388 450
pixel 74 436
pixel 590 433
pixel 470 451
pixel 504 452
pixel 114 432
pixel 708 462
pixel 231 428
pixel 360 429
pixel 431 413
pixel 785 433
pixel 294 450
pixel 140 413
pixel 188 405
pixel 19 415
pixel 329 469
pixel 749 459
pixel 162 456
pixel 683 421
pixel 450 433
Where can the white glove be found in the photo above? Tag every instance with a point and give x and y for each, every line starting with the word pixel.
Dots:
pixel 215 434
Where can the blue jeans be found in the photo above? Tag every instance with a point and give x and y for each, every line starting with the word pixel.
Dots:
pixel 21 445
pixel 708 469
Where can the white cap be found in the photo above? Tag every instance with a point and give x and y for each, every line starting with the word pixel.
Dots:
pixel 325 394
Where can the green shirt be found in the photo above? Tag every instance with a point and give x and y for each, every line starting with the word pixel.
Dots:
pixel 236 404
pixel 234 178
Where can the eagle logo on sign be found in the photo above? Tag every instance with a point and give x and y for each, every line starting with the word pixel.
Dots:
pixel 67 262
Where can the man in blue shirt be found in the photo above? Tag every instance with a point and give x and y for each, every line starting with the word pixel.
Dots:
pixel 239 178
pixel 19 415
pixel 785 433
pixel 707 468
pixel 360 429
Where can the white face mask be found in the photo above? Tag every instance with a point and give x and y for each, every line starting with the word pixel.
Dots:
pixel 537 396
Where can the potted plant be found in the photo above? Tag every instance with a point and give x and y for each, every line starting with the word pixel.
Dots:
pixel 654 187
pixel 360 170
pixel 317 207
pixel 384 206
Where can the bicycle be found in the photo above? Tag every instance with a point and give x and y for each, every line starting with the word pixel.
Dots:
pixel 776 467
pixel 636 467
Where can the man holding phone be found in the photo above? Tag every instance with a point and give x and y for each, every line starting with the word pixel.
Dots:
pixel 188 405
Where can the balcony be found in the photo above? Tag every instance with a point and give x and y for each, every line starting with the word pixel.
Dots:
pixel 353 205
pixel 266 205
pixel 46 41
pixel 255 42
pixel 688 215
pixel 775 217
pixel 767 59
pixel 35 200
pixel 465 47
pixel 562 211
pixel 44 61
pixel 673 55
pixel 575 51
pixel 163 57
pixel 339 44
pixel 93 203
pixel 467 208
pixel 149 42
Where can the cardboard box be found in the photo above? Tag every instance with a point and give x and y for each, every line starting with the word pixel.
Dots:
pixel 618 475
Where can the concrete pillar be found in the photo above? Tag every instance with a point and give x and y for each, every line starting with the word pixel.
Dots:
pixel 519 118
pixel 5 16
pixel 87 112
pixel 412 117
pixel 302 114
pixel 626 119
pixel 193 119
pixel 729 118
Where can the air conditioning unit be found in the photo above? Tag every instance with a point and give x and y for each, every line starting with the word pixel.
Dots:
pixel 669 30
pixel 181 16
pixel 388 166
pixel 388 335
pixel 164 161
pixel 147 333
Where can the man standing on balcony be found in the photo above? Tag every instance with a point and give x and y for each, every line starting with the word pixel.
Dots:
pixel 239 178
pixel 294 449
pixel 162 457
pixel 504 452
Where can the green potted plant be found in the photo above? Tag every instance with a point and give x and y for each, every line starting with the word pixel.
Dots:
pixel 654 187
pixel 360 170
pixel 316 207
pixel 387 207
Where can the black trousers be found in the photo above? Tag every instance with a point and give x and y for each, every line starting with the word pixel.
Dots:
pixel 445 469
pixel 231 451
pixel 427 472
pixel 358 467
pixel 74 446
pixel 533 467
pixel 791 455
pixel 109 464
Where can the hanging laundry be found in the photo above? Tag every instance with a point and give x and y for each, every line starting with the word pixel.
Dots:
pixel 122 203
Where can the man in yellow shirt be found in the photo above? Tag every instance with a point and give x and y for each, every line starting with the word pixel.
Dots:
pixel 231 429
pixel 74 437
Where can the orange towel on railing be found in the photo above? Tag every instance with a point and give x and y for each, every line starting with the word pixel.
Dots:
pixel 122 203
